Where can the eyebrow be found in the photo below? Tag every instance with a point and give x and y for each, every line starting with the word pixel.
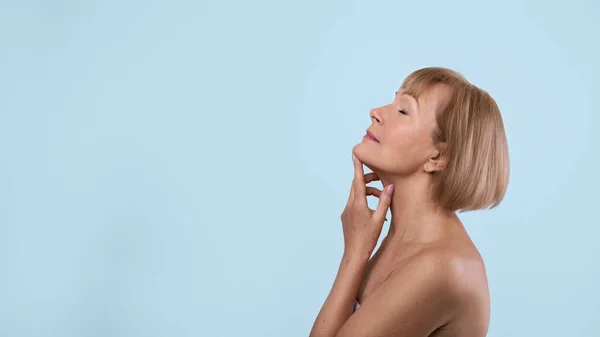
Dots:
pixel 413 97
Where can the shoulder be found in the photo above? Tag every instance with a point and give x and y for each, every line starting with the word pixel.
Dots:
pixel 421 295
pixel 455 275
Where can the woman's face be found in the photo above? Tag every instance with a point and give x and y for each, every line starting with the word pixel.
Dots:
pixel 403 132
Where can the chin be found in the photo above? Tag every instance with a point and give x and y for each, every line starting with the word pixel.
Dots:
pixel 366 155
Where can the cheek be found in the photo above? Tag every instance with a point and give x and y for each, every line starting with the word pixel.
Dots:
pixel 412 145
pixel 404 140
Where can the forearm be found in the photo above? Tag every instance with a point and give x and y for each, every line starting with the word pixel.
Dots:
pixel 340 301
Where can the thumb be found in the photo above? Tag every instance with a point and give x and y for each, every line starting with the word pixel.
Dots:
pixel 384 203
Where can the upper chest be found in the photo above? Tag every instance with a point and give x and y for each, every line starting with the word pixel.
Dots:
pixel 379 268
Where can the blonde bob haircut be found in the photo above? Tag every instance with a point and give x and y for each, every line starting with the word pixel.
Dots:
pixel 476 173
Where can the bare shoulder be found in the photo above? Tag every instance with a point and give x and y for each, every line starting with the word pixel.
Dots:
pixel 428 294
pixel 456 265
pixel 461 272
pixel 457 276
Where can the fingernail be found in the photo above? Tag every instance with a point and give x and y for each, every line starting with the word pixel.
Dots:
pixel 390 189
pixel 353 157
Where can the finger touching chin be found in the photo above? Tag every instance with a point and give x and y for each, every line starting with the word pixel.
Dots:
pixel 364 154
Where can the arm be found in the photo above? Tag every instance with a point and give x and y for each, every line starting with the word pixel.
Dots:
pixel 362 227
pixel 340 301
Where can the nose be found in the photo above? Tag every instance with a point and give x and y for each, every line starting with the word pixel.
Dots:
pixel 375 115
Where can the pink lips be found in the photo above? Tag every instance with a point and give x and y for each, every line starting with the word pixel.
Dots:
pixel 371 137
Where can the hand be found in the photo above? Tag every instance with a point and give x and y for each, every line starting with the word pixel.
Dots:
pixel 362 225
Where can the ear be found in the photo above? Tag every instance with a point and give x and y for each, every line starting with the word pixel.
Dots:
pixel 438 160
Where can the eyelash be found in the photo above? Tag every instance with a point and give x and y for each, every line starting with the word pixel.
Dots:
pixel 402 111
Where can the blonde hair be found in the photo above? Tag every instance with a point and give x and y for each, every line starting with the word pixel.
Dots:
pixel 477 170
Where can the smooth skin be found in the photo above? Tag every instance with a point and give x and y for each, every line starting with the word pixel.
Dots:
pixel 427 277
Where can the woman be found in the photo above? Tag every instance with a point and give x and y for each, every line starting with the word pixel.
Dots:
pixel 439 148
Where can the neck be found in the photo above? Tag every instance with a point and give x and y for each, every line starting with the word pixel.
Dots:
pixel 415 216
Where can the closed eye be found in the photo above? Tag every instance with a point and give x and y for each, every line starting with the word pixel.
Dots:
pixel 402 111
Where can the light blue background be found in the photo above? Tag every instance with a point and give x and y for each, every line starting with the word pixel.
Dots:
pixel 178 168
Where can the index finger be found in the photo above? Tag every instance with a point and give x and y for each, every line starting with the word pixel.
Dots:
pixel 359 178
